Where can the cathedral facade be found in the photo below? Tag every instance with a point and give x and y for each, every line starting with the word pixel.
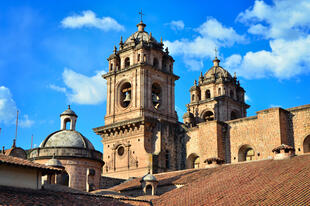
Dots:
pixel 142 133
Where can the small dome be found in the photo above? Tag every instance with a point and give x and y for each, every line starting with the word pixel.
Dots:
pixel 67 138
pixel 218 72
pixel 68 112
pixel 140 36
pixel 149 177
pixel 54 163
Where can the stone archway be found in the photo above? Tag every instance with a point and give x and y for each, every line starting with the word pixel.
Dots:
pixel 192 161
pixel 306 144
pixel 246 153
pixel 149 190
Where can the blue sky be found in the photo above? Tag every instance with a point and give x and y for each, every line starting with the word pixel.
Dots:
pixel 52 54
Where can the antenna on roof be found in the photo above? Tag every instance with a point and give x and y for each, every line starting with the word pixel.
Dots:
pixel 31 141
pixel 16 126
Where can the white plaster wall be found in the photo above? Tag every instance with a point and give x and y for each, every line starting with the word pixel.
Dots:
pixel 20 177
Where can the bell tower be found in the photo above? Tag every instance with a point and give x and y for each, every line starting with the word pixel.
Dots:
pixel 140 118
pixel 216 96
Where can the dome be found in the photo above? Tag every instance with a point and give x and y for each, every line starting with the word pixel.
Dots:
pixel 217 71
pixel 139 36
pixel 149 177
pixel 67 138
pixel 54 163
pixel 68 112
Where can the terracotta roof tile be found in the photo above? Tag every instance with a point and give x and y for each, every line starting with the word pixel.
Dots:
pixel 269 182
pixel 162 178
pixel 9 160
pixel 21 196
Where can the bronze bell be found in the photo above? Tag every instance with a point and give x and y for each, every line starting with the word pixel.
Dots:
pixel 155 98
pixel 127 97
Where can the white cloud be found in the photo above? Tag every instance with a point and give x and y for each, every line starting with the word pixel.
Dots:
pixel 286 26
pixel 26 122
pixel 57 88
pixel 89 19
pixel 8 109
pixel 247 98
pixel 176 25
pixel 211 34
pixel 7 106
pixel 284 19
pixel 82 89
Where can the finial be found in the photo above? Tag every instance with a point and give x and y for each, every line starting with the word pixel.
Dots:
pixel 235 75
pixel 140 12
pixel 201 74
pixel 121 42
pixel 215 53
pixel 115 49
pixel 161 40
pixel 14 143
pixel 2 149
pixel 195 82
pixel 141 25
pixel 69 106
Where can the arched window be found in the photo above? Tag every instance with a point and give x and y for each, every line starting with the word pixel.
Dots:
pixel 111 67
pixel 67 124
pixel 138 58
pixel 63 179
pixel 149 190
pixel 144 58
pixel 192 161
pixel 208 94
pixel 306 144
pixel 246 153
pixel 155 63
pixel 125 94
pixel 127 62
pixel 219 92
pixel 193 97
pixel 156 95
pixel 208 116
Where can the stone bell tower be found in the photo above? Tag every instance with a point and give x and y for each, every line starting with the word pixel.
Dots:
pixel 140 119
pixel 216 96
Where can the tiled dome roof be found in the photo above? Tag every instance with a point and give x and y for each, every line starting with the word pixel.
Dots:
pixel 67 138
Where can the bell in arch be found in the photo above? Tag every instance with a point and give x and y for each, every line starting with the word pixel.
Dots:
pixel 127 97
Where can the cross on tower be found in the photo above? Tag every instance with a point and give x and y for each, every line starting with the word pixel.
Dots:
pixel 215 52
pixel 140 12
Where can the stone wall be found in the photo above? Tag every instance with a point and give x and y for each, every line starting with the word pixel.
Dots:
pixel 300 123
pixel 77 171
pixel 262 133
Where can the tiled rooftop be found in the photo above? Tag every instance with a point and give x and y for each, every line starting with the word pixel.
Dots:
pixel 52 196
pixel 268 182
pixel 9 160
